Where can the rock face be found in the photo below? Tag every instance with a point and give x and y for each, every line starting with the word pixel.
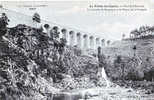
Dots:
pixel 144 48
pixel 32 68
pixel 133 61
pixel 130 63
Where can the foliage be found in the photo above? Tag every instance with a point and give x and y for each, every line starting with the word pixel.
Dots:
pixel 3 24
pixel 36 17
pixel 31 66
pixel 142 31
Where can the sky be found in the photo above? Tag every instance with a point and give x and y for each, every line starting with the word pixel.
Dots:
pixel 76 14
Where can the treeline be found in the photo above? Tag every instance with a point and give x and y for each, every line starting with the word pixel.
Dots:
pixel 141 32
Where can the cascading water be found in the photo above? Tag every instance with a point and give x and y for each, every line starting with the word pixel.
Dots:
pixel 104 76
pixel 102 63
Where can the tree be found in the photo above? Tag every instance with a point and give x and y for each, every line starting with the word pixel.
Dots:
pixel 142 31
pixel 64 32
pixel 152 28
pixel 108 42
pixel 3 24
pixel 36 17
pixel 135 33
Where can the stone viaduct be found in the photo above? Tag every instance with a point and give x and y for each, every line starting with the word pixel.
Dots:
pixel 74 37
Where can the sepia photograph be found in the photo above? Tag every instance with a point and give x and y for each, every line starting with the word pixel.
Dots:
pixel 77 50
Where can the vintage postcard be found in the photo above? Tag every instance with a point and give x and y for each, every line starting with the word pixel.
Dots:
pixel 77 50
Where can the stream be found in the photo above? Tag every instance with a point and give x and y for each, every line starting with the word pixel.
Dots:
pixel 109 92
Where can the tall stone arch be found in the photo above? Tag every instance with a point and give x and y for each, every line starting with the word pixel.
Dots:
pixel 91 42
pixel 97 42
pixel 46 29
pixel 79 41
pixel 55 32
pixel 103 42
pixel 71 38
pixel 85 41
pixel 64 33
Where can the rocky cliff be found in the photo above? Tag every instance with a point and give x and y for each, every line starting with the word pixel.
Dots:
pixel 31 71
pixel 131 62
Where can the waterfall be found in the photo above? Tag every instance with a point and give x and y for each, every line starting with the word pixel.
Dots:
pixel 102 63
pixel 104 76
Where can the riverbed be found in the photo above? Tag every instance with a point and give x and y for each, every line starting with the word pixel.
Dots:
pixel 99 93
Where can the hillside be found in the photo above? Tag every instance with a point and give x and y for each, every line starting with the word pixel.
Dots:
pixel 26 73
pixel 30 71
pixel 143 53
pixel 131 66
